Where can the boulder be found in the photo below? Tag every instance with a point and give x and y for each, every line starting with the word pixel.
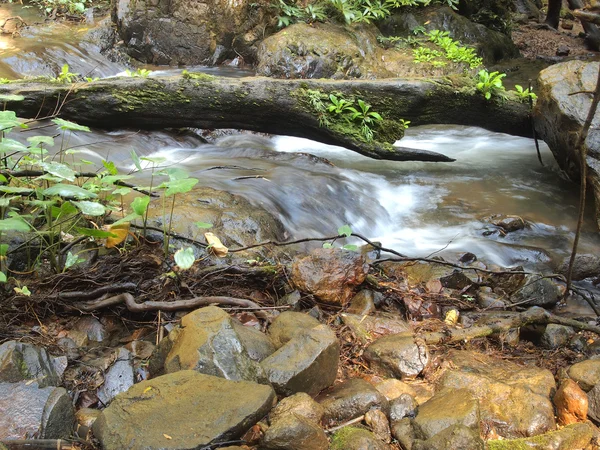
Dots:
pixel 377 421
pixel 20 361
pixel 307 363
pixel 574 436
pixel 301 405
pixel 586 373
pixel 209 343
pixel 448 408
pixel 453 437
pixel 593 397
pixel 354 438
pixel 393 388
pixel 404 406
pixel 556 336
pixel 406 432
pixel 292 432
pixel 398 355
pixel 289 324
pixel 571 403
pixel 32 411
pixel 330 274
pixel 365 328
pixel 258 345
pixel 185 409
pixel 539 292
pixel 584 266
pixel 350 399
pixel 363 303
pixel 91 327
pixel 514 399
pixel 118 378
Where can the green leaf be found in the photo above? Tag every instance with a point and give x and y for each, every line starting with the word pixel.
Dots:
pixel 180 186
pixel 110 179
pixel 122 191
pixel 3 249
pixel 136 159
pixel 8 119
pixel 345 231
pixel 70 126
pixel 140 205
pixel 11 98
pixel 110 166
pixel 204 225
pixel 350 247
pixel 327 245
pixel 184 257
pixel 35 141
pixel 14 224
pixel 11 146
pixel 72 260
pixel 68 191
pixel 128 218
pixel 91 208
pixel 3 179
pixel 175 174
pixel 92 232
pixel 23 291
pixel 60 170
pixel 3 278
pixel 15 190
pixel 5 201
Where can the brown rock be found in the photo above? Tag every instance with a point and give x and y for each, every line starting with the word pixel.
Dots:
pixel 330 274
pixel 300 404
pixel 571 403
pixel 378 422
pixel 393 388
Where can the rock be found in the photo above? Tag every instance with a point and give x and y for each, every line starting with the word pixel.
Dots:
pixel 585 266
pixel 406 432
pixel 353 438
pixel 292 432
pixel 509 223
pixel 363 303
pixel 80 338
pixel 454 437
pixel 365 328
pixel 403 406
pixel 515 399
pixel 163 412
pixel 393 388
pixel 92 328
pixel 329 274
pixel 448 408
pixel 87 416
pixel 140 349
pixel 539 292
pixel 398 355
pixel 301 405
pixel 379 425
pixel 487 299
pixel 575 436
pixel 118 378
pixel 209 343
pixel 156 362
pixel 563 50
pixel 571 403
pixel 556 336
pixel 20 361
pixel 292 300
pixel 289 324
pixel 350 399
pixel 258 345
pixel 30 411
pixel 593 396
pixel 307 363
pixel 586 373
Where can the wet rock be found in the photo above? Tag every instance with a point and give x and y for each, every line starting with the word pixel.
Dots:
pixel 292 432
pixel 448 408
pixel 87 416
pixel 350 399
pixel 575 436
pixel 92 328
pixel 140 349
pixel 156 362
pixel 209 343
pixel 457 280
pixel 301 405
pixel 539 292
pixel 593 396
pixel 403 406
pixel 509 223
pixel 363 303
pixel 399 355
pixel 31 411
pixel 289 324
pixel 307 363
pixel 118 378
pixel 257 344
pixel 330 274
pixel 571 403
pixel 378 423
pixel 292 300
pixel 423 272
pixel 353 438
pixel 586 373
pixel 487 299
pixel 556 336
pixel 515 399
pixel 406 432
pixel 20 361
pixel 163 413
pixel 454 437
pixel 365 328
pixel 585 266
pixel 80 338
pixel 393 388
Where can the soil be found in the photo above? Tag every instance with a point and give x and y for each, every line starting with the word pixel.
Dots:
pixel 536 41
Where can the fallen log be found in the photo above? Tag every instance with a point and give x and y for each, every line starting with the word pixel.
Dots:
pixel 284 107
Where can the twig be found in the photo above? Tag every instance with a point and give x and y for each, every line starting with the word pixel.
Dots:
pixel 87 295
pixel 535 138
pixel 345 424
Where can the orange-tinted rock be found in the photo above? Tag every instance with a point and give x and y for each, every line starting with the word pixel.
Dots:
pixel 571 403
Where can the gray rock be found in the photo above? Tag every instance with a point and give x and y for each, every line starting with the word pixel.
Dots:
pixel 20 361
pixel 539 292
pixel 406 432
pixel 573 436
pixel 30 411
pixel 586 373
pixel 92 328
pixel 377 421
pixel 156 363
pixel 448 408
pixel 181 410
pixel 118 378
pixel 353 438
pixel 585 266
pixel 594 403
pixel 292 432
pixel 301 405
pixel 363 303
pixel 488 299
pixel 289 324
pixel 454 437
pixel 257 344
pixel 556 336
pixel 350 399
pixel 307 363
pixel 399 355
pixel 403 406
pixel 209 343
pixel 366 327
pixel 292 300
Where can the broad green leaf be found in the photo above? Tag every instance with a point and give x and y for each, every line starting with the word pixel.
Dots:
pixel 5 201
pixel 110 166
pixel 350 247
pixel 14 224
pixel 70 126
pixel 110 179
pixel 60 170
pixel 15 190
pixel 140 204
pixel 72 260
pixel 3 249
pixel 23 291
pixel 3 277
pixel 41 203
pixel 203 225
pixel 327 245
pixel 11 146
pixel 180 186
pixel 67 208
pixel 8 119
pixel 128 218
pixel 91 208
pixel 11 98
pixel 35 141
pixel 154 160
pixel 92 232
pixel 345 231
pixel 3 179
pixel 122 191
pixel 136 159
pixel 184 258
pixel 175 174
pixel 69 191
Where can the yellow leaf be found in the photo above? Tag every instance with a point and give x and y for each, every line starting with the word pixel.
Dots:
pixel 451 317
pixel 167 436
pixel 215 245
pixel 121 230
pixel 148 389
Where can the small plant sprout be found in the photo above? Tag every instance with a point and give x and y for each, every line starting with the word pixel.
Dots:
pixel 490 84
pixel 184 258
pixel 64 76
pixel 139 73
pixel 524 95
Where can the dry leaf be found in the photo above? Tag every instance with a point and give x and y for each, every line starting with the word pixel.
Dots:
pixel 121 231
pixel 148 389
pixel 216 246
pixel 167 436
pixel 434 286
pixel 451 317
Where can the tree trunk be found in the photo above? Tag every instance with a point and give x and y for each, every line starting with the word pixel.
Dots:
pixel 274 106
pixel 553 15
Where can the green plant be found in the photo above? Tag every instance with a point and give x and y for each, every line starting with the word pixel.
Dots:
pixel 490 84
pixel 64 76
pixel 62 7
pixel 339 105
pixel 138 73
pixel 524 95
pixel 367 118
pixel 197 76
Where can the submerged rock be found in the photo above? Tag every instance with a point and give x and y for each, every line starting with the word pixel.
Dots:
pixel 181 410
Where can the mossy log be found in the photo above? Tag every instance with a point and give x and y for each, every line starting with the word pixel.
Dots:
pixel 273 106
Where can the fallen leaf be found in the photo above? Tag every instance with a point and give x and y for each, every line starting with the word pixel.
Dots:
pixel 216 246
pixel 148 389
pixel 434 286
pixel 451 317
pixel 121 230
pixel 167 436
